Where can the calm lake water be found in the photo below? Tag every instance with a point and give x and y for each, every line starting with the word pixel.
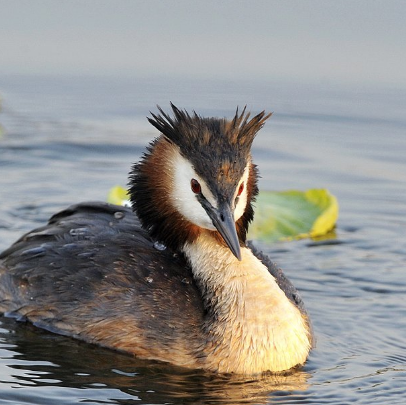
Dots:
pixel 68 140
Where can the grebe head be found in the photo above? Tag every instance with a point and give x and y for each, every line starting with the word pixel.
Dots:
pixel 198 175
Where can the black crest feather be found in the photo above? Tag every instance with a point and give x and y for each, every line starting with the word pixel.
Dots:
pixel 186 130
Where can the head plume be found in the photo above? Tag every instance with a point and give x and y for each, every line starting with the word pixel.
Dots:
pixel 191 131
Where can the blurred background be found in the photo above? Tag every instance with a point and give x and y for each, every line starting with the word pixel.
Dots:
pixel 346 42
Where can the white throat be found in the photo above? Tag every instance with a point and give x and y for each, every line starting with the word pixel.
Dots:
pixel 252 326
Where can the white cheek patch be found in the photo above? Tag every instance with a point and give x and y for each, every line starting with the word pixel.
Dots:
pixel 184 199
pixel 242 200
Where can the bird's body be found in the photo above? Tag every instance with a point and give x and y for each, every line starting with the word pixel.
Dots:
pixel 175 281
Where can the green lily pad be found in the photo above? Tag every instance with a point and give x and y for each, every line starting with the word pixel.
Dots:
pixel 293 214
pixel 283 215
pixel 118 195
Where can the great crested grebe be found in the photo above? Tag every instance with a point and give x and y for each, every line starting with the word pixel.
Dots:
pixel 176 281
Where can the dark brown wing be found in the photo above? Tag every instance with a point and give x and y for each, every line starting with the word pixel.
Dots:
pixel 93 273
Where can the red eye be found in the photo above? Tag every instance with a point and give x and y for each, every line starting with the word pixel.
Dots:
pixel 240 189
pixel 195 186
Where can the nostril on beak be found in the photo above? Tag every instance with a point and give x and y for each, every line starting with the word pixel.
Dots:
pixel 222 217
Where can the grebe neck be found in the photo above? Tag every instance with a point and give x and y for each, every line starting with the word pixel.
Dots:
pixel 251 325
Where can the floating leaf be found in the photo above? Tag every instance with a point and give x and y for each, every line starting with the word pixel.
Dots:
pixel 119 196
pixel 293 214
pixel 280 215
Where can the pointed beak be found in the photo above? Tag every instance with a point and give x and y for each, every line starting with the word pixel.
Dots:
pixel 223 220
